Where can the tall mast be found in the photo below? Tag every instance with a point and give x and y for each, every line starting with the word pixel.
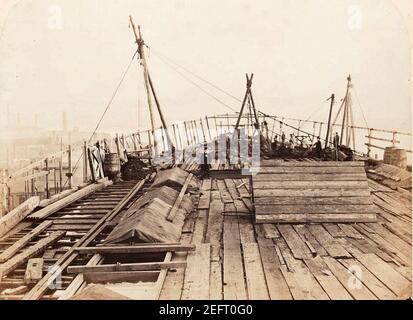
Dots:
pixel 141 52
pixel 149 87
pixel 329 119
pixel 345 113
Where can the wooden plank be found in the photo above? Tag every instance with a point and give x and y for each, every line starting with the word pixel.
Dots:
pixel 200 229
pixel 215 281
pixel 277 286
pixel 246 230
pixel 34 270
pixel 178 200
pixel 233 273
pixel 333 248
pixel 120 276
pixel 13 249
pixel 350 232
pixel 386 246
pixel 302 284
pixel 312 193
pixel 206 185
pixel 204 200
pixel 41 287
pixel 62 203
pixel 144 266
pixel 147 248
pixel 306 235
pixel 232 189
pixel 334 230
pixel 368 279
pixel 298 248
pixel 256 285
pixel 215 220
pixel 383 271
pixel 335 164
pixel 197 273
pixel 310 177
pixel 17 229
pixel 319 208
pixel 173 284
pixel 358 292
pixel 315 218
pixel 266 185
pixel 79 281
pixel 31 251
pixel 270 231
pixel 10 220
pixel 326 279
pixel 312 170
pixel 314 201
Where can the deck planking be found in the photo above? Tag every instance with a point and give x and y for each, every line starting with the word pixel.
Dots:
pixel 305 261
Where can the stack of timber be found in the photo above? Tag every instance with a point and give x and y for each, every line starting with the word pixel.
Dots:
pixel 300 192
pixel 159 215
pixel 391 176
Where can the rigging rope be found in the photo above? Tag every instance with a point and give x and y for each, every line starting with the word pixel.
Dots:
pixel 196 85
pixel 105 111
pixel 196 76
pixel 362 111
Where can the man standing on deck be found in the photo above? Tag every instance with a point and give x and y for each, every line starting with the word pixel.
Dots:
pixel 318 148
pixel 336 143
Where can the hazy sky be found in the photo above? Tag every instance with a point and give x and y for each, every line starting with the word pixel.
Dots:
pixel 300 52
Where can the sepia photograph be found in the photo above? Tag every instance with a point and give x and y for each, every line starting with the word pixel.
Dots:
pixel 189 150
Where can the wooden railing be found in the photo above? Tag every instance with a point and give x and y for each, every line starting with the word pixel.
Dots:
pixel 84 162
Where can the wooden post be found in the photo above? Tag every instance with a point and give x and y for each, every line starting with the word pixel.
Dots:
pixel 186 133
pixel 69 173
pixel 92 170
pixel 163 139
pixel 369 134
pixel 47 178
pixel 202 127
pixel 196 131
pixel 56 184
pixel 61 174
pixel 216 126
pixel 175 137
pixel 85 164
pixel 117 146
pixel 179 137
pixel 321 129
pixel 207 123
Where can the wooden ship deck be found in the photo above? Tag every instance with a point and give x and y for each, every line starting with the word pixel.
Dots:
pixel 309 223
pixel 222 253
pixel 238 259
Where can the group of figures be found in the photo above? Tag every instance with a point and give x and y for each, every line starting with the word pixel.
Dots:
pixel 305 147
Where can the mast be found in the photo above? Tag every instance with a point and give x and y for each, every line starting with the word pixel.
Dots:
pixel 329 119
pixel 345 113
pixel 149 87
